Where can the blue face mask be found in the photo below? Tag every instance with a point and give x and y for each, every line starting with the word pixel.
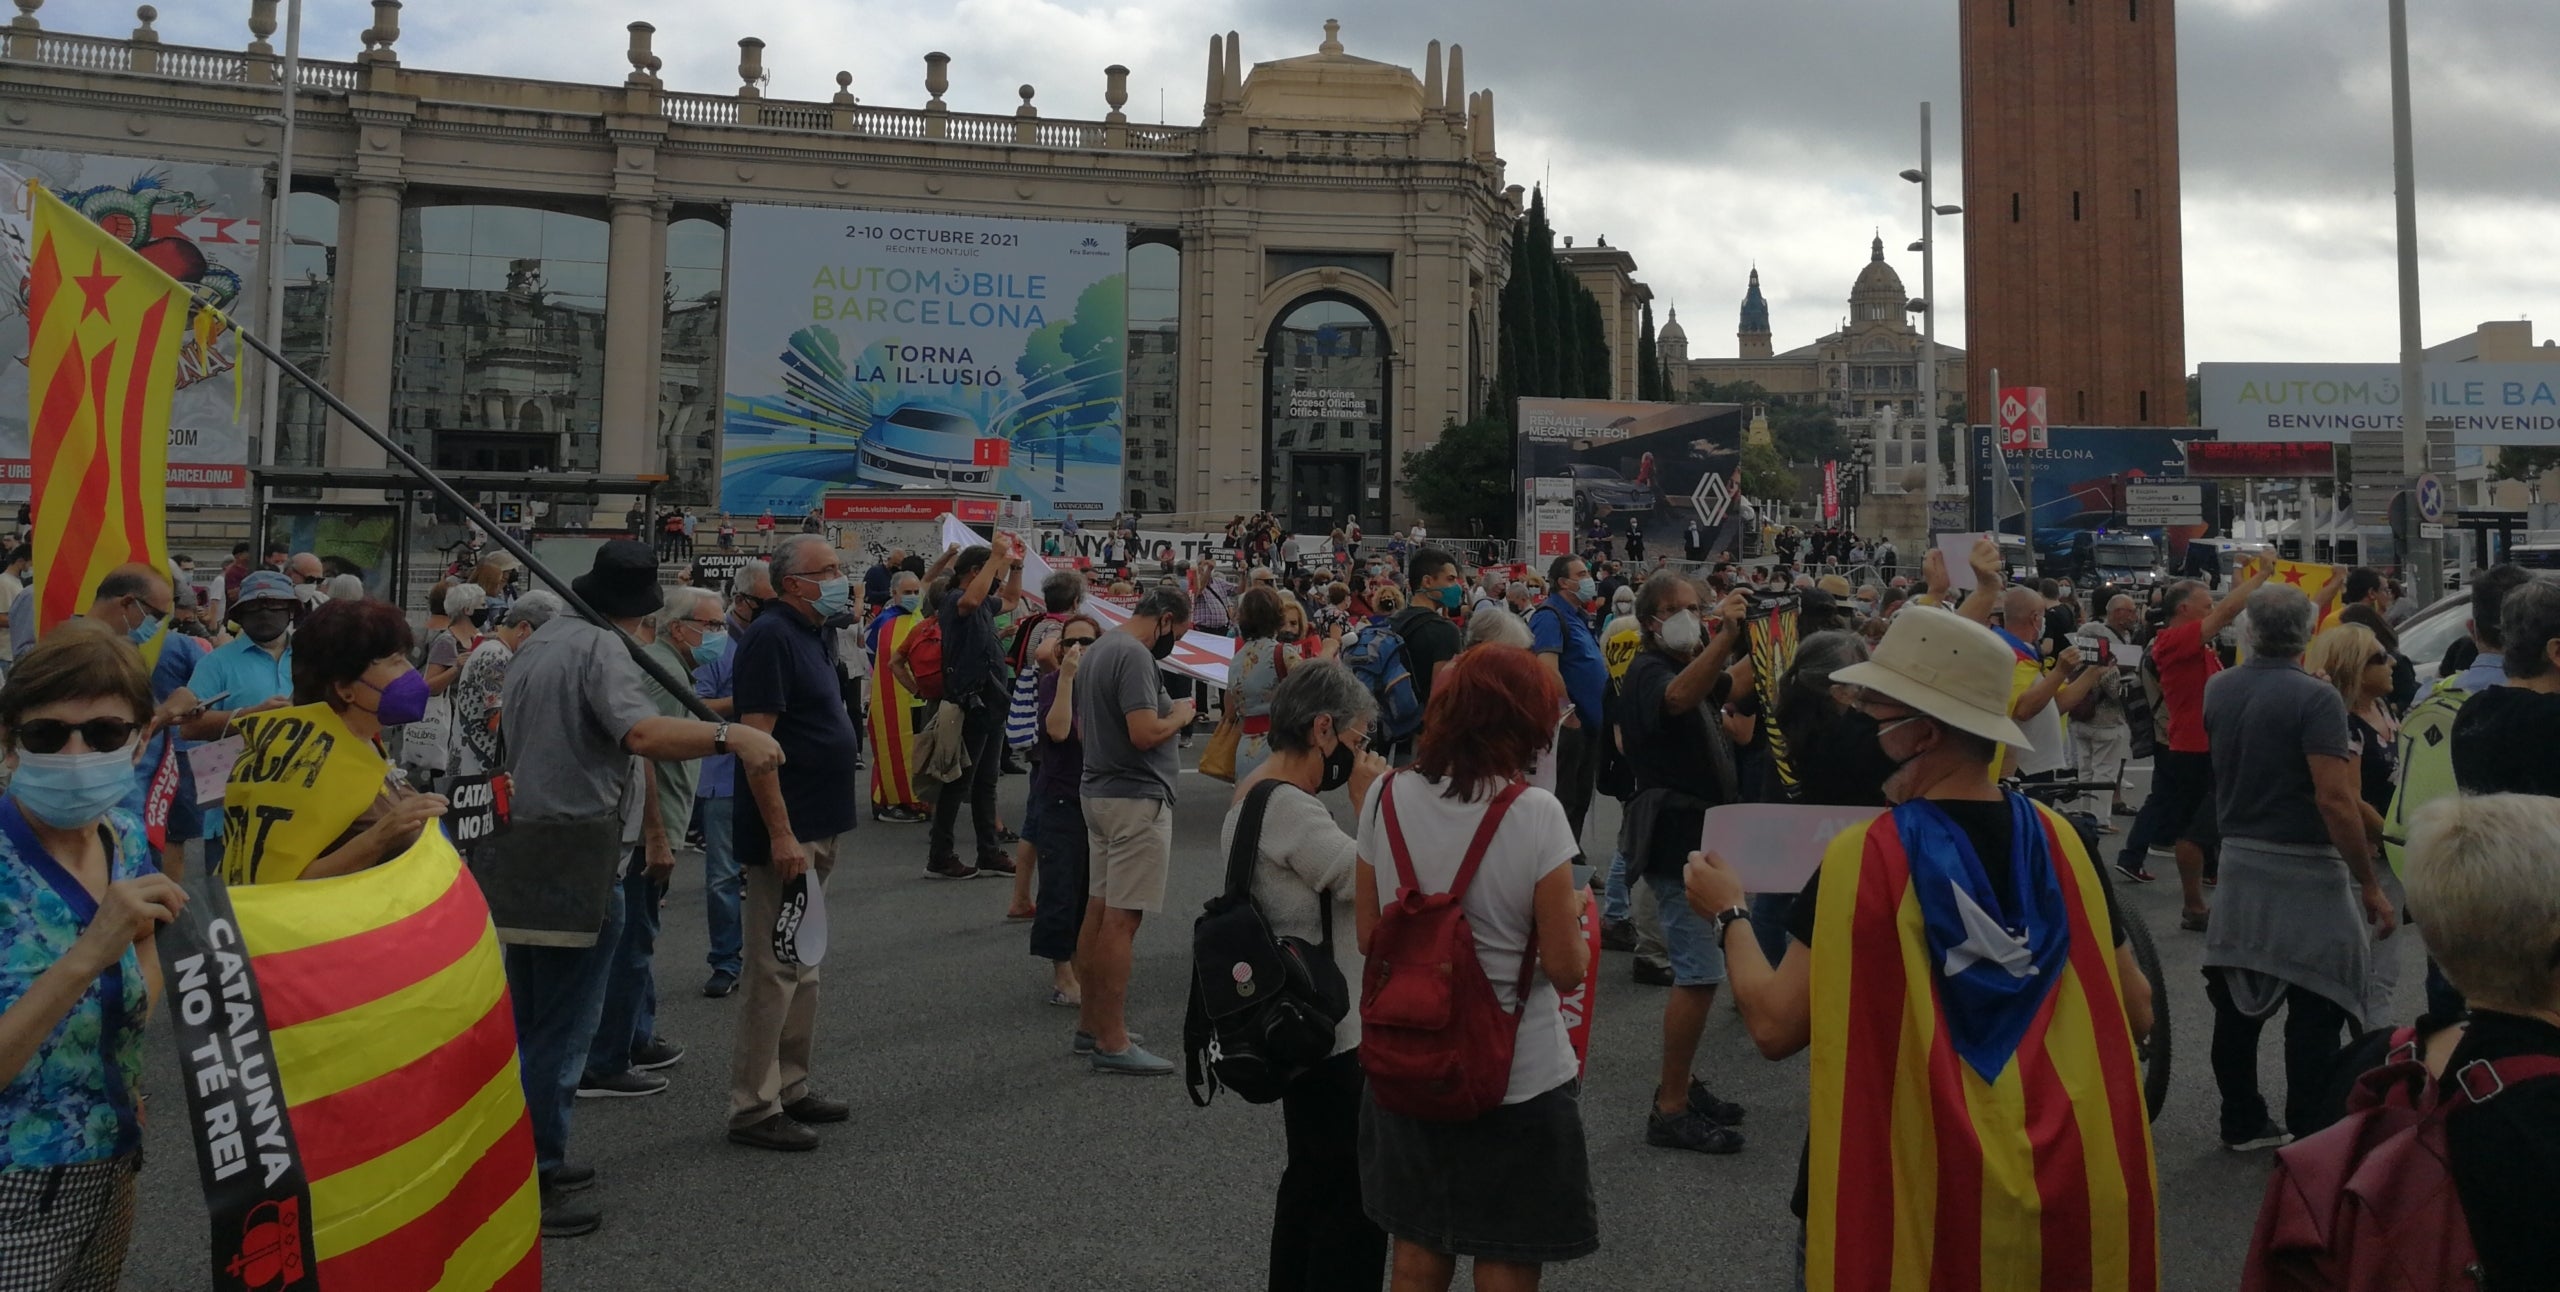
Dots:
pixel 712 646
pixel 1588 589
pixel 67 791
pixel 146 630
pixel 911 602
pixel 833 595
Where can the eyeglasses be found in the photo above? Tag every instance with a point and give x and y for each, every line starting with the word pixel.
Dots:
pixel 1075 641
pixel 49 735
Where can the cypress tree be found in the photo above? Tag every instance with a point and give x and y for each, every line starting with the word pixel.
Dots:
pixel 1648 362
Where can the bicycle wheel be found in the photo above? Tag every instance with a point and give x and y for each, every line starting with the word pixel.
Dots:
pixel 2154 1050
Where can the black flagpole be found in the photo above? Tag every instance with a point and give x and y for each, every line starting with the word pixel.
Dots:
pixel 681 690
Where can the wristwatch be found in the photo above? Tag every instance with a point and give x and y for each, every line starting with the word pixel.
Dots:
pixel 1726 918
pixel 720 745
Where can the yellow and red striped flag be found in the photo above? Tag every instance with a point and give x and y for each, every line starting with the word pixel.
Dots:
pixel 1921 1173
pixel 104 330
pixel 395 1043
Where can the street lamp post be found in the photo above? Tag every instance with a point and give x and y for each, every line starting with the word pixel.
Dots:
pixel 1927 246
pixel 2426 568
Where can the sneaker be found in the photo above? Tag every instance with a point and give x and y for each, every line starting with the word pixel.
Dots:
pixel 778 1132
pixel 949 868
pixel 571 1177
pixel 1132 1062
pixel 1082 1044
pixel 1702 1101
pixel 627 1084
pixel 2134 874
pixel 1649 974
pixel 2194 921
pixel 1691 1130
pixel 562 1218
pixel 655 1054
pixel 2268 1135
pixel 814 1110
pixel 996 863
pixel 1008 838
pixel 1617 935
pixel 898 815
pixel 2121 810
pixel 721 983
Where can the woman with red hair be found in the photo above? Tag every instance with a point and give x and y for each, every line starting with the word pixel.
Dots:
pixel 1511 1188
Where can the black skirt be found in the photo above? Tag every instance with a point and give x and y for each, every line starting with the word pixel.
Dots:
pixel 1512 1185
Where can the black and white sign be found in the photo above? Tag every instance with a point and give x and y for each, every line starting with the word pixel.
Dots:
pixel 476 809
pixel 2164 504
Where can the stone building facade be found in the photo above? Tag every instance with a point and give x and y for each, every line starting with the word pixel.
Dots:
pixel 513 274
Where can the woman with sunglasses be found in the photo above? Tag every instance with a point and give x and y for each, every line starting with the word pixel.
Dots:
pixel 1054 822
pixel 312 795
pixel 2354 661
pixel 82 896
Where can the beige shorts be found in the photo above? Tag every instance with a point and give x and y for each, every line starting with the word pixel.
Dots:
pixel 1132 845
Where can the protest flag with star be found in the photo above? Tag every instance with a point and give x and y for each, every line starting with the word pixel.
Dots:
pixel 104 330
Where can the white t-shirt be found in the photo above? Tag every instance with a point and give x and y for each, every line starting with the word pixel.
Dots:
pixel 1532 840
pixel 1304 860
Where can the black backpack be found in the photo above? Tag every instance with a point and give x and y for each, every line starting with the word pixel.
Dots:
pixel 1263 1008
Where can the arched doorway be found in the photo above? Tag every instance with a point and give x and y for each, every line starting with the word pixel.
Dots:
pixel 1326 419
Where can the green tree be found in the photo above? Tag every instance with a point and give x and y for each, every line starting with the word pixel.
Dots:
pixel 2522 463
pixel 1463 481
pixel 1765 475
pixel 1648 358
pixel 1549 340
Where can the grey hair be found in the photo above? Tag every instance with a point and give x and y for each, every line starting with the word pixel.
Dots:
pixel 2129 603
pixel 1496 626
pixel 344 587
pixel 2484 884
pixel 1062 592
pixel 757 573
pixel 2528 620
pixel 1315 689
pixel 535 608
pixel 786 556
pixel 906 581
pixel 1817 658
pixel 2279 622
pixel 1657 590
pixel 680 604
pixel 1161 600
pixel 463 598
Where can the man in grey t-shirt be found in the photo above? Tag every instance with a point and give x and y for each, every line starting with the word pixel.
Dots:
pixel 2298 883
pixel 573 713
pixel 1130 761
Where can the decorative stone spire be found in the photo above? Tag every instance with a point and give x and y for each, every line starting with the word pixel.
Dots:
pixel 1217 95
pixel 1875 254
pixel 1455 92
pixel 143 34
pixel 1753 334
pixel 1332 37
pixel 1480 126
pixel 1026 119
pixel 1432 100
pixel 1235 70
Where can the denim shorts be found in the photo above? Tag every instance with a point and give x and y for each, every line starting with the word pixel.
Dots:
pixel 1697 960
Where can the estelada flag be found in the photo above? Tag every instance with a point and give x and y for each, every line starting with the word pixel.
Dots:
pixel 104 330
pixel 395 1043
pixel 1922 1173
pixel 2310 578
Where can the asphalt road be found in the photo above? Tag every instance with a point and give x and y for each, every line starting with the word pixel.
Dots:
pixel 981 1156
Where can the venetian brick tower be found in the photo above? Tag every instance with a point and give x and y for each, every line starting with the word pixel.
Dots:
pixel 2072 265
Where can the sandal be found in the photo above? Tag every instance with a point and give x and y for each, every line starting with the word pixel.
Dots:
pixel 1021 917
pixel 1063 1000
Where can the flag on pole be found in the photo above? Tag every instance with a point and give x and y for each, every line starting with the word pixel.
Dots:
pixel 105 328
pixel 395 1045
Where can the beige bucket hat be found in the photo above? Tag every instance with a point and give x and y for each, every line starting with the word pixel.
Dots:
pixel 1946 666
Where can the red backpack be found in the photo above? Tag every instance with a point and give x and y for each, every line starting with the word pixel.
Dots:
pixel 2369 1204
pixel 923 654
pixel 1434 1041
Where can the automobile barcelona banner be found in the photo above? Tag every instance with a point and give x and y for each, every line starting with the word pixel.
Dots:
pixel 1642 471
pixel 884 350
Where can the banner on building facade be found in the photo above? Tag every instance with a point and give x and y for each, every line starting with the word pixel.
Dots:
pixel 2082 475
pixel 2481 403
pixel 200 225
pixel 882 350
pixel 1636 470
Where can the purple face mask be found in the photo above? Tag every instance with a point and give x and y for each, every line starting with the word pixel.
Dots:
pixel 404 701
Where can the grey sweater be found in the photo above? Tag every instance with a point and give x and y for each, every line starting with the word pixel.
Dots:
pixel 1304 858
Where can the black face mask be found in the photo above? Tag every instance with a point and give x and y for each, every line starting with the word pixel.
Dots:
pixel 1163 647
pixel 1337 767
pixel 264 626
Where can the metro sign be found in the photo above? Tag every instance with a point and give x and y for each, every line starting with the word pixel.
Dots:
pixel 2022 418
pixel 1712 498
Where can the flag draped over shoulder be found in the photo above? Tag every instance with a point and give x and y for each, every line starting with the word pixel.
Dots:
pixel 104 330
pixel 1920 1173
pixel 396 1047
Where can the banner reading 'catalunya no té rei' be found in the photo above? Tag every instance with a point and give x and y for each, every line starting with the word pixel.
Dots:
pixel 881 350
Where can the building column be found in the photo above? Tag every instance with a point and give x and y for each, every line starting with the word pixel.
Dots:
pixel 368 261
pixel 633 306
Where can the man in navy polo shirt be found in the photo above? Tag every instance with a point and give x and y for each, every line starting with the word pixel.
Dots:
pixel 1561 634
pixel 785 686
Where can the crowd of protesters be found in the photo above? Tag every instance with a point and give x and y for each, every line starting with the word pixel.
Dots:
pixel 2313 799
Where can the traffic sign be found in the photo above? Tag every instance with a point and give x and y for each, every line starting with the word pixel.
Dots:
pixel 2430 498
pixel 2164 504
pixel 2022 417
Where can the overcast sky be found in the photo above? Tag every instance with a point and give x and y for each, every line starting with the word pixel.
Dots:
pixel 1706 135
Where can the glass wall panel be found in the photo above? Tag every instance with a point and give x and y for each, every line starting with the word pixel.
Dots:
pixel 689 362
pixel 498 354
pixel 1151 421
pixel 310 273
pixel 1325 416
